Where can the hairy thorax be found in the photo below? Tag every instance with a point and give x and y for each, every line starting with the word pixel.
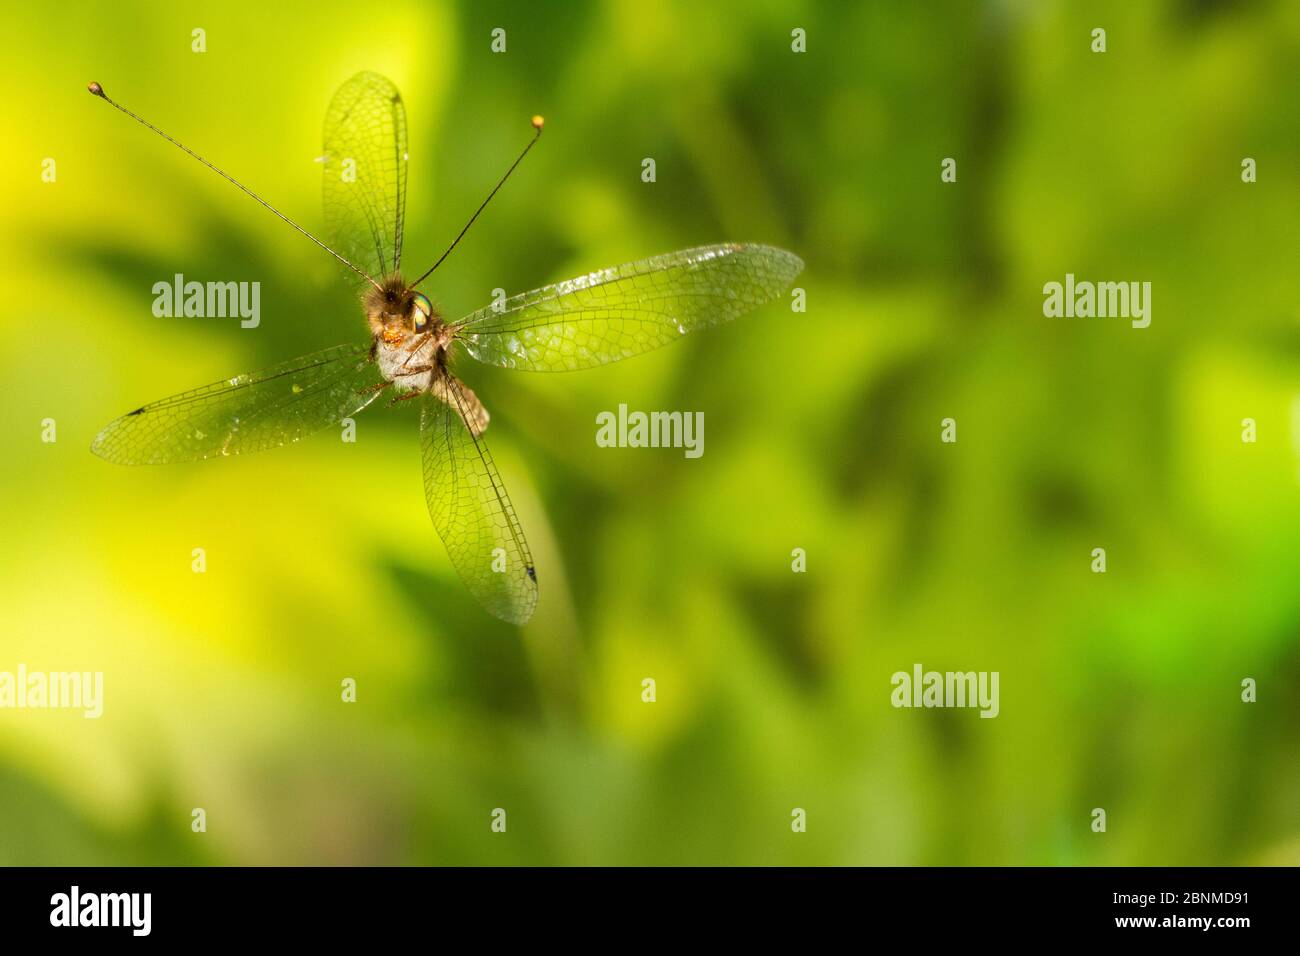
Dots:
pixel 410 337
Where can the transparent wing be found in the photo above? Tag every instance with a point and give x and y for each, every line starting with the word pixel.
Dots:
pixel 246 413
pixel 364 185
pixel 617 313
pixel 471 510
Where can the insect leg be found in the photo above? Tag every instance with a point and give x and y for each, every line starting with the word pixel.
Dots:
pixel 371 389
pixel 413 370
pixel 404 397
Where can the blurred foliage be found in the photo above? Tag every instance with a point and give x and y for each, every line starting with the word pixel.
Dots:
pixel 1118 690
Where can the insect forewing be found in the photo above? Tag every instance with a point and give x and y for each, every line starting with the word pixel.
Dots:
pixel 364 186
pixel 246 413
pixel 616 313
pixel 471 510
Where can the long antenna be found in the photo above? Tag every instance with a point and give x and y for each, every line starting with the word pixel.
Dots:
pixel 537 125
pixel 98 90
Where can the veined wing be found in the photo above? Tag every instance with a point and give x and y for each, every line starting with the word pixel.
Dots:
pixel 471 510
pixel 246 413
pixel 364 185
pixel 616 313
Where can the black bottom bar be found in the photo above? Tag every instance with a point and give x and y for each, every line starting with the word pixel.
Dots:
pixel 234 905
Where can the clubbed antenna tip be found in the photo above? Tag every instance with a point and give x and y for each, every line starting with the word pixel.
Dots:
pixel 537 125
pixel 98 90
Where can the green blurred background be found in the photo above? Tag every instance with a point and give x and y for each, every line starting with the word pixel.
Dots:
pixel 1118 690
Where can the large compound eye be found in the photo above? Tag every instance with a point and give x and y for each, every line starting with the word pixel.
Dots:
pixel 423 310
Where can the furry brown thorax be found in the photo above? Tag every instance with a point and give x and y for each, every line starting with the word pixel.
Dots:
pixel 396 311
